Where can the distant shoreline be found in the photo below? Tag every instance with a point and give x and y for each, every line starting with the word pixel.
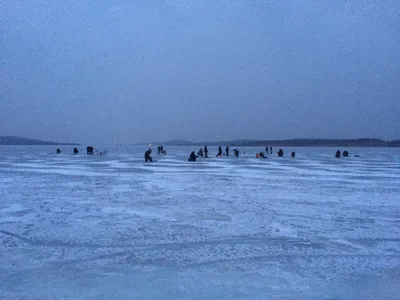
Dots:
pixel 362 142
pixel 359 143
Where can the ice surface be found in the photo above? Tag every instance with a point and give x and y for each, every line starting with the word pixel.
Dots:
pixel 114 227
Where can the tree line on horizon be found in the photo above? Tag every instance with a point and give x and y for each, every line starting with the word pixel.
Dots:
pixel 361 142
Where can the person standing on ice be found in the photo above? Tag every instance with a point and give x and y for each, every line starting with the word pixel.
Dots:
pixel 205 151
pixel 89 150
pixel 219 151
pixel 227 150
pixel 147 156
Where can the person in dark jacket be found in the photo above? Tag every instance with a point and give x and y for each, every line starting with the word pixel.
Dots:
pixel 76 150
pixel 205 151
pixel 161 150
pixel 236 152
pixel 58 151
pixel 89 150
pixel 147 156
pixel 219 151
pixel 200 153
pixel 227 150
pixel 293 154
pixel 280 153
pixel 338 153
pixel 192 156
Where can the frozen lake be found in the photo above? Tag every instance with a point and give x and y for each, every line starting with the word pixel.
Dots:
pixel 114 227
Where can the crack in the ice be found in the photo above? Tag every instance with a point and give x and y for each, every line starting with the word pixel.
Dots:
pixel 271 241
pixel 288 256
pixel 178 245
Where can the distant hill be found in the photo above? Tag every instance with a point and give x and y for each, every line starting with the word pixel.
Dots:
pixel 14 140
pixel 395 143
pixel 364 142
pixel 178 142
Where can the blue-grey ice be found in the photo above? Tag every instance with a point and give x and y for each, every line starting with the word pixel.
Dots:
pixel 114 227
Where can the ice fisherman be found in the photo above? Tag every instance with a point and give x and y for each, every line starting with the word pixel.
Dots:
pixel 192 156
pixel 89 150
pixel 147 156
pixel 219 151
pixel 161 150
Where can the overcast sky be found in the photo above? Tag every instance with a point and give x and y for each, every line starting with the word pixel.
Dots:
pixel 145 71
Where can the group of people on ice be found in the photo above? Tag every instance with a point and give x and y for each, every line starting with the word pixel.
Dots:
pixel 89 151
pixel 203 152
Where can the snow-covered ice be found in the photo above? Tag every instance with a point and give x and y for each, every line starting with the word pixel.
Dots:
pixel 114 227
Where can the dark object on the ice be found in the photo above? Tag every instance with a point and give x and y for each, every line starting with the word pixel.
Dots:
pixel 200 153
pixel 101 153
pixel 192 156
pixel 356 155
pixel 89 150
pixel 160 150
pixel 219 151
pixel 227 150
pixel 293 154
pixel 147 156
pixel 280 153
pixel 236 152
pixel 261 155
pixel 270 150
pixel 338 153
pixel 205 151
pixel 58 151
pixel 76 150
pixel 345 153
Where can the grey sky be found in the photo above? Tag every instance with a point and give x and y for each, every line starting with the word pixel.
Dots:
pixel 133 71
